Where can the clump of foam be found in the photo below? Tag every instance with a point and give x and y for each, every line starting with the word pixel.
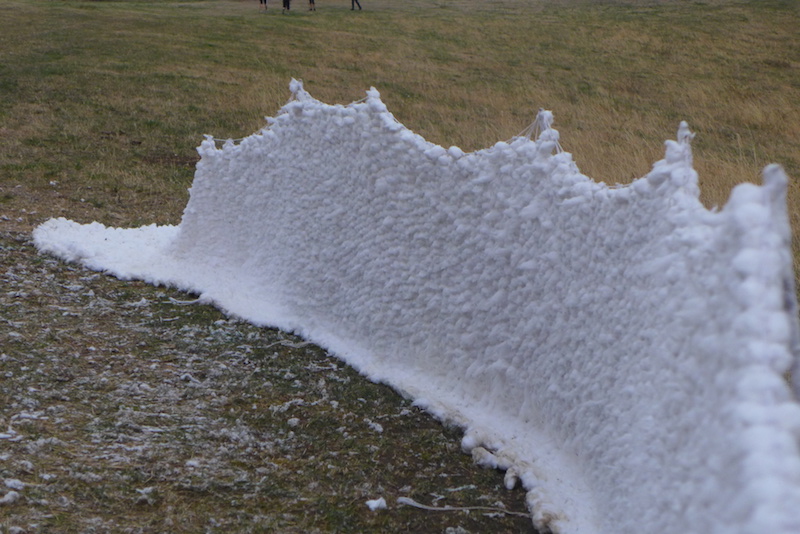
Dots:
pixel 620 351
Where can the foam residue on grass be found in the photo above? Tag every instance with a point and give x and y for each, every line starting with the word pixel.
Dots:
pixel 620 351
pixel 126 409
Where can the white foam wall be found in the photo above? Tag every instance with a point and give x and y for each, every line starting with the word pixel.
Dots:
pixel 620 350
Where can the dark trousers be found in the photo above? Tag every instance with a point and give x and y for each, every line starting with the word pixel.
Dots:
pixel 354 3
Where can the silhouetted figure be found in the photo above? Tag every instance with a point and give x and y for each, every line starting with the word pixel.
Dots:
pixel 311 5
pixel 286 5
pixel 353 4
pixel 263 3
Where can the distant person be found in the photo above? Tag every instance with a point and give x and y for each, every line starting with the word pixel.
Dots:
pixel 311 5
pixel 263 3
pixel 286 5
pixel 353 4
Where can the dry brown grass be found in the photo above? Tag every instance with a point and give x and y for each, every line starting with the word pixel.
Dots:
pixel 619 77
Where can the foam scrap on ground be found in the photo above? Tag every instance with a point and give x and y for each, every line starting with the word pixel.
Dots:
pixel 620 350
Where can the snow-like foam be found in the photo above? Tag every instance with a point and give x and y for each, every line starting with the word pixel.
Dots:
pixel 621 351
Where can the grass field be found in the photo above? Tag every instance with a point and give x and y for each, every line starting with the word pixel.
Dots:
pixel 109 99
pixel 102 104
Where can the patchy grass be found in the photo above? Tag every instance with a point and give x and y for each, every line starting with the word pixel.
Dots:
pixel 125 409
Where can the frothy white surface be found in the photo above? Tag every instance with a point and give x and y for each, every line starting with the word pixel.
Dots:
pixel 621 351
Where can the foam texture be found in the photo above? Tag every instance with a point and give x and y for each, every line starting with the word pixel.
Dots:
pixel 621 351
